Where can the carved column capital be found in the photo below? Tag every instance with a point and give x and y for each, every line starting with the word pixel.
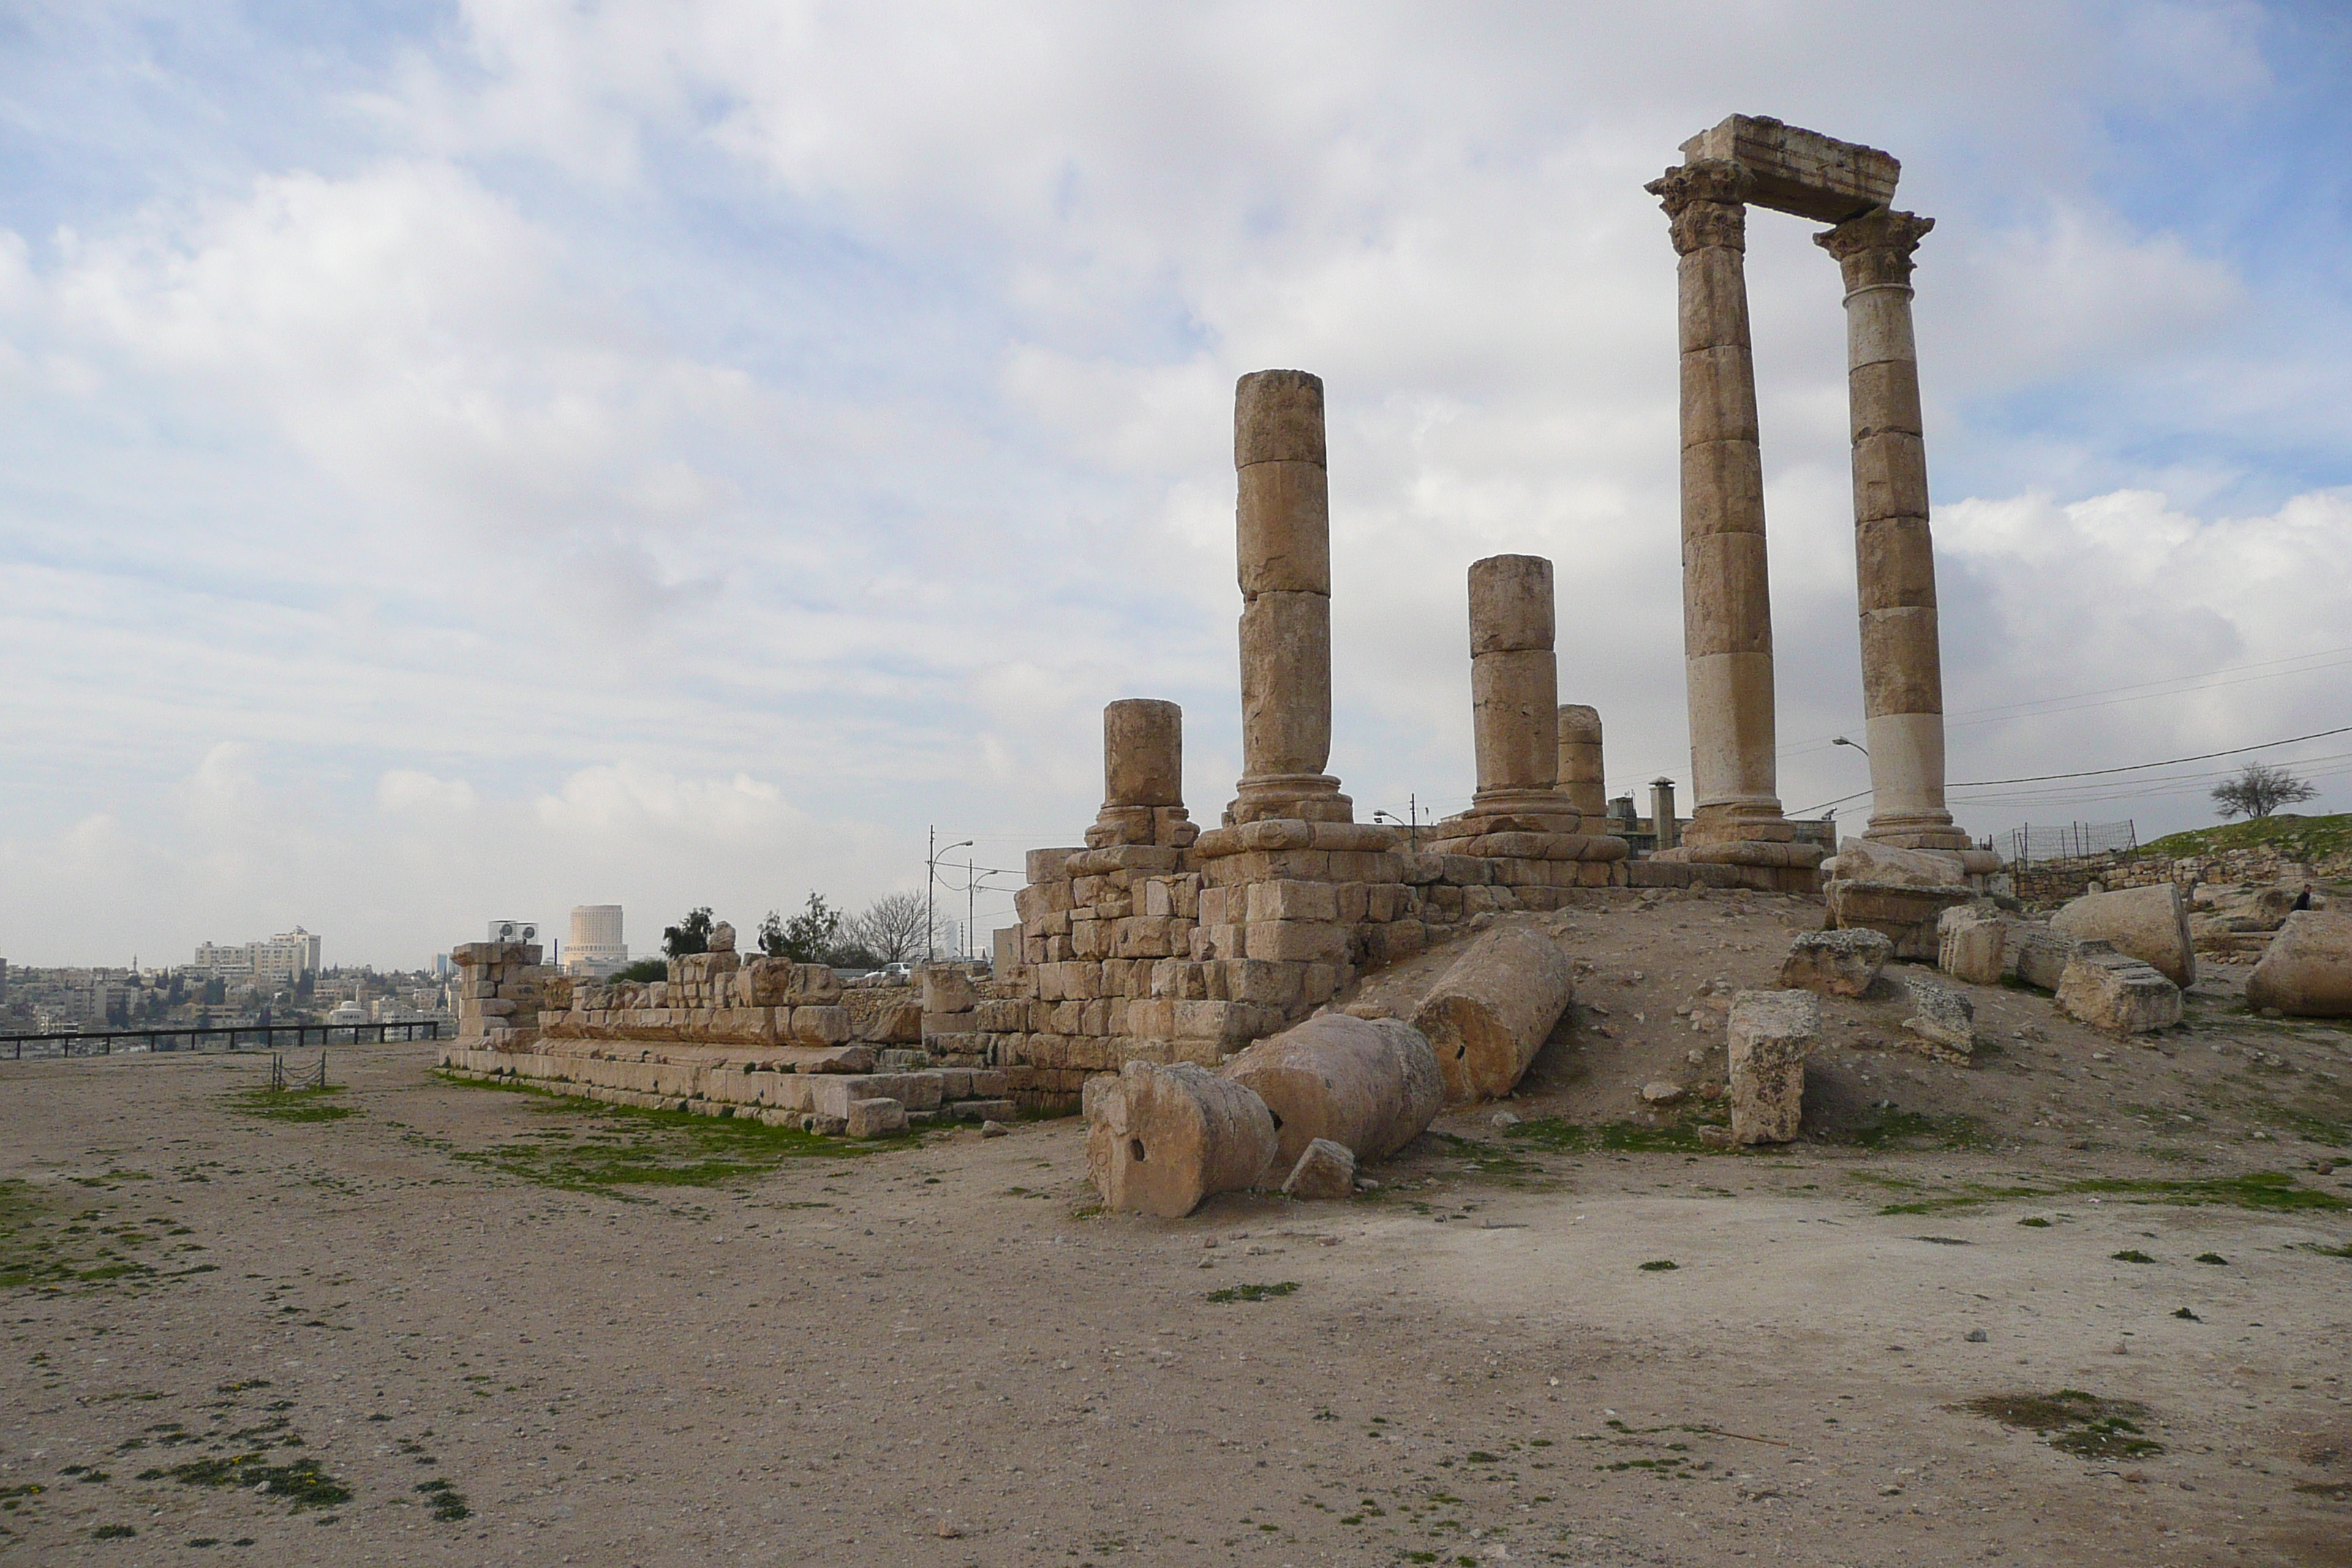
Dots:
pixel 1705 204
pixel 1875 248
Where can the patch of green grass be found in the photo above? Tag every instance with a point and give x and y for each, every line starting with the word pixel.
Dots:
pixel 1660 1266
pixel 2342 1251
pixel 1254 1293
pixel 304 1483
pixel 448 1502
pixel 112 1532
pixel 2211 1257
pixel 2034 1222
pixel 2087 1426
pixel 311 1104
pixel 1553 1132
pixel 2131 1254
pixel 2305 839
pixel 1891 1129
pixel 2272 1192
pixel 622 1146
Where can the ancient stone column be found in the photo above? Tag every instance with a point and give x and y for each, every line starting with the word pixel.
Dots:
pixel 1284 519
pixel 1727 603
pixel 1580 776
pixel 1143 774
pixel 1515 691
pixel 1895 558
pixel 1663 824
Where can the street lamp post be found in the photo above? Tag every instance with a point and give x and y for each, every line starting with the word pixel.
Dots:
pixel 930 880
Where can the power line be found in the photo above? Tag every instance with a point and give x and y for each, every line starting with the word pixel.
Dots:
pixel 2169 762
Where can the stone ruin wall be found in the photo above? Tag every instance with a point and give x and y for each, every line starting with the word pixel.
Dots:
pixel 2055 881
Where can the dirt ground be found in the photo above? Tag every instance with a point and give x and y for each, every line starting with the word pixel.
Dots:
pixel 417 1321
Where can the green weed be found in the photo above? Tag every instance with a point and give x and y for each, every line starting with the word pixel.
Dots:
pixel 304 1483
pixel 2087 1426
pixel 311 1104
pixel 448 1502
pixel 1254 1293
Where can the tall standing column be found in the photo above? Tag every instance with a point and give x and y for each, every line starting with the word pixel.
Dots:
pixel 1515 692
pixel 1895 556
pixel 1727 600
pixel 1284 519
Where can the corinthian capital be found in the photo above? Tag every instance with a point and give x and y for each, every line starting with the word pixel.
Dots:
pixel 1705 204
pixel 1875 248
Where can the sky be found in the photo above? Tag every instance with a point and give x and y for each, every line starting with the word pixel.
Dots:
pixel 464 460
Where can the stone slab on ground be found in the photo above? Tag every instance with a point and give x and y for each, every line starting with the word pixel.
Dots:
pixel 1835 963
pixel 2111 991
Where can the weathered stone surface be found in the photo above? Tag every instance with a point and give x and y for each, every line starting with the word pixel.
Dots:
pixel 1663 1091
pixel 874 1118
pixel 1323 1171
pixel 1768 1038
pixel 1164 1138
pixel 1906 915
pixel 1490 1012
pixel 2150 925
pixel 1835 963
pixel 946 988
pixel 1369 1085
pixel 1868 860
pixel 2109 990
pixel 2306 972
pixel 2041 955
pixel 1580 764
pixel 1941 1016
pixel 1971 942
pixel 1798 170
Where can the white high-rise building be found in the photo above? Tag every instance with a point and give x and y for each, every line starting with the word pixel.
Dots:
pixel 284 958
pixel 594 948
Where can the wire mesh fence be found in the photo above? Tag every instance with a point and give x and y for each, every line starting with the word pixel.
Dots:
pixel 2031 845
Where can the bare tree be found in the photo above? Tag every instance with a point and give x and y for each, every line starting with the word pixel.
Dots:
pixel 891 928
pixel 2260 789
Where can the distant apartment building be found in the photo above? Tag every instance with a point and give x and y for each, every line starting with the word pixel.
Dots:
pixel 283 959
pixel 594 948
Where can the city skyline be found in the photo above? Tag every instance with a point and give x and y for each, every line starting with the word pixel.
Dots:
pixel 466 459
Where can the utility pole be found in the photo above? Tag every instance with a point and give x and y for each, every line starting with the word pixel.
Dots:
pixel 971 905
pixel 930 881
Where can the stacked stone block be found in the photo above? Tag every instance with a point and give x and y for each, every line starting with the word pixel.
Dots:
pixel 502 988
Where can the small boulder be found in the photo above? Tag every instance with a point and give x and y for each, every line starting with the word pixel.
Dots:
pixel 1970 943
pixel 1835 963
pixel 1326 1171
pixel 1663 1091
pixel 2306 971
pixel 874 1118
pixel 2038 955
pixel 1941 1016
pixel 2108 990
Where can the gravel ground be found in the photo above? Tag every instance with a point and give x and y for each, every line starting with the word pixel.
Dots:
pixel 452 1324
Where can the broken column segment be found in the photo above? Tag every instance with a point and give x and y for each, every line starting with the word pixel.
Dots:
pixel 1143 776
pixel 1895 556
pixel 1283 524
pixel 1490 1012
pixel 1767 1039
pixel 1369 1085
pixel 1580 775
pixel 1164 1138
pixel 1520 812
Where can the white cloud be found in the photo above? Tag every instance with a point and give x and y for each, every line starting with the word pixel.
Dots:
pixel 678 452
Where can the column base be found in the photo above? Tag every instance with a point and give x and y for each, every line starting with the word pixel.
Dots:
pixel 1296 798
pixel 1517 811
pixel 1169 826
pixel 1740 822
pixel 1918 831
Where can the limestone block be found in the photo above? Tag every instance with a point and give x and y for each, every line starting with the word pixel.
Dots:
pixel 2306 971
pixel 1490 1012
pixel 899 1024
pixel 1867 860
pixel 1295 942
pixel 1289 900
pixel 1971 942
pixel 1161 1138
pixel 818 1026
pixel 1145 936
pixel 1905 914
pixel 2041 954
pixel 998 1110
pixel 874 1118
pixel 1050 865
pixel 946 988
pixel 1835 963
pixel 1393 943
pixel 1371 1086
pixel 2150 925
pixel 1324 1171
pixel 1941 1016
pixel 1767 1037
pixel 999 1016
pixel 2112 991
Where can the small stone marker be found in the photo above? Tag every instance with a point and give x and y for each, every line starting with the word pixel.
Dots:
pixel 1769 1034
pixel 1941 1016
